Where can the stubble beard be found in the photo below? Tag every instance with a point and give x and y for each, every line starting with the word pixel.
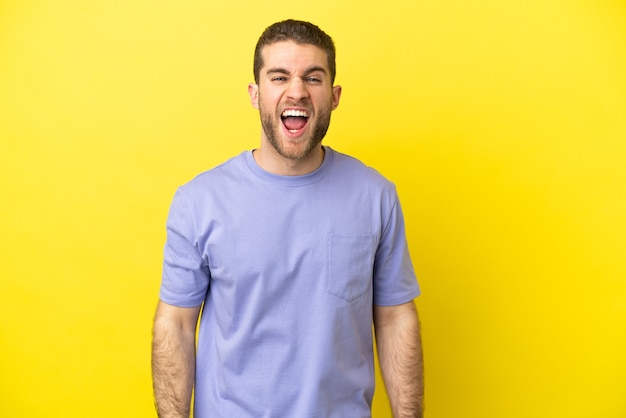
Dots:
pixel 272 127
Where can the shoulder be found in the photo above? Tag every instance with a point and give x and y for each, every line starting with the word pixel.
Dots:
pixel 216 176
pixel 353 170
pixel 210 187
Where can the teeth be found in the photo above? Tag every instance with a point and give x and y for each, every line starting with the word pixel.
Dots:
pixel 294 112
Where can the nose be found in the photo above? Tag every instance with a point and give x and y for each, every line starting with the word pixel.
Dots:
pixel 296 90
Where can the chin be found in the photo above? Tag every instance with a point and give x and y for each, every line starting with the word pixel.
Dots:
pixel 296 150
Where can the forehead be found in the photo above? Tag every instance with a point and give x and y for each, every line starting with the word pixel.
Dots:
pixel 290 55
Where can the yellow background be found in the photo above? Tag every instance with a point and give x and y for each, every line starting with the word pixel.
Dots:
pixel 503 124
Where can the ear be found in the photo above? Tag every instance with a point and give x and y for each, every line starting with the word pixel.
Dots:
pixel 253 91
pixel 336 96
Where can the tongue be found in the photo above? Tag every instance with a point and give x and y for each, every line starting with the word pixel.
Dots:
pixel 294 123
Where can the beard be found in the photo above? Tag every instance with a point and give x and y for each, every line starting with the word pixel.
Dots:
pixel 272 128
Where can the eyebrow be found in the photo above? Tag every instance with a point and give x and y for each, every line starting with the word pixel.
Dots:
pixel 278 70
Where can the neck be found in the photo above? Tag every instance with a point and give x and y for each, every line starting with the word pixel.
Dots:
pixel 271 161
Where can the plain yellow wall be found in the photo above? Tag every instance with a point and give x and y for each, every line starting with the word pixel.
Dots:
pixel 503 123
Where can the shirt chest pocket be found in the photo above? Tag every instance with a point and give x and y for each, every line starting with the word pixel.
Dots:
pixel 350 265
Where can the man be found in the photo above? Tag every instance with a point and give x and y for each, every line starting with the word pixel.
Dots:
pixel 292 251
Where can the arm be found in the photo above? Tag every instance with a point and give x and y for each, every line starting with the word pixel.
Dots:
pixel 173 359
pixel 400 354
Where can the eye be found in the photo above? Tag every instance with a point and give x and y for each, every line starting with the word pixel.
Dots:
pixel 278 79
pixel 313 80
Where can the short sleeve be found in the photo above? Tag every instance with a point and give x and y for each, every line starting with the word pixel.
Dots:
pixel 394 277
pixel 185 275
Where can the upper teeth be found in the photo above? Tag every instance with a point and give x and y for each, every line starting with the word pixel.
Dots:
pixel 294 112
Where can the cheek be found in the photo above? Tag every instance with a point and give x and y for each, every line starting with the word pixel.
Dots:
pixel 267 103
pixel 325 100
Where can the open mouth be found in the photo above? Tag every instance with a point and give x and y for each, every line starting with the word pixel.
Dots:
pixel 294 120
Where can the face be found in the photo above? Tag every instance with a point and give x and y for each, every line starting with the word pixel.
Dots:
pixel 295 98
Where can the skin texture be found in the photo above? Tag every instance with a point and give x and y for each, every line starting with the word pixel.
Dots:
pixel 173 359
pixel 401 361
pixel 294 76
